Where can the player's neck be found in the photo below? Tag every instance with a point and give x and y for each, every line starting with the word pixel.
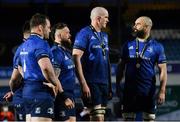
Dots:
pixel 26 35
pixel 35 31
pixel 60 44
pixel 96 27
pixel 143 39
pixel 37 34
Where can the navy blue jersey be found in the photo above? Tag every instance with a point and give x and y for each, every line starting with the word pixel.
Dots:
pixel 142 79
pixel 32 50
pixel 94 60
pixel 16 57
pixel 63 61
pixel 17 98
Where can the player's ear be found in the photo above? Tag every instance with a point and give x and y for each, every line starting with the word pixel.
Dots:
pixel 98 18
pixel 59 35
pixel 40 28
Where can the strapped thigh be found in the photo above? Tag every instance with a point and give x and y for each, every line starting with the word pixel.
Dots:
pixel 129 116
pixel 98 111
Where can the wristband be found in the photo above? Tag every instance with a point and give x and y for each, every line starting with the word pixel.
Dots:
pixel 63 96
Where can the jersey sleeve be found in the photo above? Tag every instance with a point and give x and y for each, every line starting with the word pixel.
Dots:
pixel 58 57
pixel 161 54
pixel 16 58
pixel 42 50
pixel 81 40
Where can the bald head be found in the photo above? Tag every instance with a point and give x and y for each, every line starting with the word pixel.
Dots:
pixel 98 11
pixel 142 27
pixel 146 20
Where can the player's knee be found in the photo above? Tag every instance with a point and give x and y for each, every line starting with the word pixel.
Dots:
pixel 149 117
pixel 129 116
pixel 97 113
pixel 72 119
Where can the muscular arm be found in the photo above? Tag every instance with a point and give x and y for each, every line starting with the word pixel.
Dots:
pixel 57 71
pixel 48 72
pixel 50 76
pixel 15 80
pixel 20 70
pixel 163 81
pixel 77 54
pixel 14 83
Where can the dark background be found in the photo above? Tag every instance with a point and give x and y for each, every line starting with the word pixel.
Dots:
pixel 122 13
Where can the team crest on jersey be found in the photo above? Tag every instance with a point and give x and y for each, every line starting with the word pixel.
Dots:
pixel 150 49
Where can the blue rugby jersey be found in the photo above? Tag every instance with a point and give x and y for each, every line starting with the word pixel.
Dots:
pixel 142 80
pixel 63 61
pixel 95 66
pixel 32 50
pixel 18 92
pixel 16 57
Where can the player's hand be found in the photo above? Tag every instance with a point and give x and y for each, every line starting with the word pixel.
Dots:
pixel 86 91
pixel 161 98
pixel 69 103
pixel 8 96
pixel 50 85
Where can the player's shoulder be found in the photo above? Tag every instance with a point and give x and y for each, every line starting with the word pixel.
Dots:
pixel 20 46
pixel 36 39
pixel 54 47
pixel 56 50
pixel 155 42
pixel 85 29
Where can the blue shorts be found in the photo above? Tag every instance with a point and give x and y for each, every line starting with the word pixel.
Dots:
pixel 60 111
pixel 20 110
pixel 139 103
pixel 99 93
pixel 18 104
pixel 39 107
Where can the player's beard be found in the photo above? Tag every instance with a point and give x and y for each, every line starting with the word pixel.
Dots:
pixel 66 44
pixel 138 33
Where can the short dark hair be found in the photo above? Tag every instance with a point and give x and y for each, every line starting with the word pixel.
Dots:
pixel 38 19
pixel 26 27
pixel 55 27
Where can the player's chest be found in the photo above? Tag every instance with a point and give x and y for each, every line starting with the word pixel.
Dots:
pixel 67 62
pixel 144 51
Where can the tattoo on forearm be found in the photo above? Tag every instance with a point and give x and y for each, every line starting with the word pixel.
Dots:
pixel 57 71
